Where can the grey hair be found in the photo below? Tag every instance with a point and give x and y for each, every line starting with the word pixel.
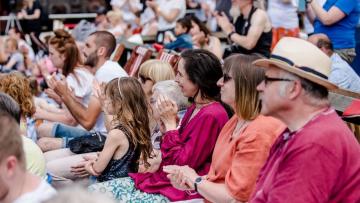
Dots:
pixel 172 90
pixel 315 95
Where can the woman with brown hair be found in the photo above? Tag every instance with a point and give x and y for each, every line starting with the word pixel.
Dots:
pixel 243 144
pixel 65 56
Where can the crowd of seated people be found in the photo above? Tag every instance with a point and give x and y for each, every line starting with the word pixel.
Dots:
pixel 245 119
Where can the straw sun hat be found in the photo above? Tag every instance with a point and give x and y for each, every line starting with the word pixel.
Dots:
pixel 301 58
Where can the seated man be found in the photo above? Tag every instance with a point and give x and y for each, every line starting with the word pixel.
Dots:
pixel 35 160
pixel 341 72
pixel 16 184
pixel 317 158
pixel 98 49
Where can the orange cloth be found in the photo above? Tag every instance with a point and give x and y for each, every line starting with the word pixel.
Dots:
pixel 278 33
pixel 237 162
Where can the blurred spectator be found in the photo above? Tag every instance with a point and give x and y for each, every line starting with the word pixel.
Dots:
pixel 35 160
pixel 16 184
pixel 183 38
pixel 117 25
pixel 278 11
pixel 341 72
pixel 16 59
pixel 31 16
pixel 338 20
pixel 251 32
pixel 202 38
pixel 22 44
pixel 167 12
pixel 129 9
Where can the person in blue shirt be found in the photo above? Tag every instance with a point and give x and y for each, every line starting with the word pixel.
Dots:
pixel 338 19
pixel 183 38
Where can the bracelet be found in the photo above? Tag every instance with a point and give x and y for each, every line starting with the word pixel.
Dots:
pixel 230 34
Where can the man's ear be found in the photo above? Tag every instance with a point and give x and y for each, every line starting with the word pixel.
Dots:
pixel 11 165
pixel 101 51
pixel 294 89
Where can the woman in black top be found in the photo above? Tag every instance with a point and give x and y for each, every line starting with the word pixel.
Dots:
pixel 251 32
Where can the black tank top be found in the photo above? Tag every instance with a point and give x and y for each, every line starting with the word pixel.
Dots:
pixel 121 167
pixel 262 46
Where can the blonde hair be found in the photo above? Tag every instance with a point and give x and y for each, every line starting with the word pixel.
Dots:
pixel 157 70
pixel 116 16
pixel 246 77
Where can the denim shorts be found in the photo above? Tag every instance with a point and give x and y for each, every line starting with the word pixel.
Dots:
pixel 67 133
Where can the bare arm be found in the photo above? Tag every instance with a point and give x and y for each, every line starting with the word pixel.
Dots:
pixel 170 16
pixel 62 116
pixel 330 17
pixel 34 16
pixel 115 140
pixel 257 27
pixel 86 117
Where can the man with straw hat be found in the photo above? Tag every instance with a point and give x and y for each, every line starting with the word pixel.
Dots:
pixel 317 158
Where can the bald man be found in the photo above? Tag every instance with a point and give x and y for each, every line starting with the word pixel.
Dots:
pixel 341 72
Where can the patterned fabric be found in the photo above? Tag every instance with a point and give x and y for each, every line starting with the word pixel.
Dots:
pixel 121 167
pixel 123 190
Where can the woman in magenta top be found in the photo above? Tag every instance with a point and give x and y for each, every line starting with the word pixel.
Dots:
pixel 191 144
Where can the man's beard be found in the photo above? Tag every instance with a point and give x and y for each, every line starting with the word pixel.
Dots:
pixel 235 11
pixel 91 60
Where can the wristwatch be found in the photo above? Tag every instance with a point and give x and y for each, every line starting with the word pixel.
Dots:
pixel 197 181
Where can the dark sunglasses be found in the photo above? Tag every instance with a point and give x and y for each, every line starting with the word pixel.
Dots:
pixel 270 79
pixel 226 77
pixel 143 79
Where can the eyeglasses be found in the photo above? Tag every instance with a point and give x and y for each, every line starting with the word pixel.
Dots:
pixel 143 79
pixel 226 77
pixel 270 79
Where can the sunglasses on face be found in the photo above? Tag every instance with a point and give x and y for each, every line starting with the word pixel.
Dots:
pixel 267 80
pixel 226 77
pixel 143 79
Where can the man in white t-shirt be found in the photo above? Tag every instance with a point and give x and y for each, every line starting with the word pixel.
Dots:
pixel 16 184
pixel 98 49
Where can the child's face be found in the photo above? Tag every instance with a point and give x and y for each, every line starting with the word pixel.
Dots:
pixel 179 29
pixel 108 106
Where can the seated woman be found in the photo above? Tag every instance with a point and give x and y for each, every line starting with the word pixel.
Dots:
pixel 129 136
pixel 17 87
pixel 170 89
pixel 65 56
pixel 202 38
pixel 190 144
pixel 243 144
pixel 251 32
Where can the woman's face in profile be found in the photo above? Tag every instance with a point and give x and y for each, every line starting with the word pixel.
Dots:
pixel 188 88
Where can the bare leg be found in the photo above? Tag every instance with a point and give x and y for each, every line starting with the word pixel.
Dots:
pixel 44 130
pixel 50 143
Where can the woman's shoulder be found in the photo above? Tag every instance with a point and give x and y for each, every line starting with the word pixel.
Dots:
pixel 214 109
pixel 267 124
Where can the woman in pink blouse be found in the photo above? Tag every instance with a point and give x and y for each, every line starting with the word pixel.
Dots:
pixel 191 144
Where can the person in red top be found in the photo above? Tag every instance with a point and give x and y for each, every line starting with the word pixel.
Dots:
pixel 243 144
pixel 191 144
pixel 317 158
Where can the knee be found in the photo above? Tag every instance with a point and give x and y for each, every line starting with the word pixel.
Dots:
pixel 44 130
pixel 47 144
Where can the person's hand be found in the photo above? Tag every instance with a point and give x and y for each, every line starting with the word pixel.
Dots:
pixel 39 113
pixel 224 22
pixel 181 177
pixel 91 157
pixel 153 5
pixel 98 91
pixel 167 109
pixel 89 167
pixel 79 170
pixel 52 94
